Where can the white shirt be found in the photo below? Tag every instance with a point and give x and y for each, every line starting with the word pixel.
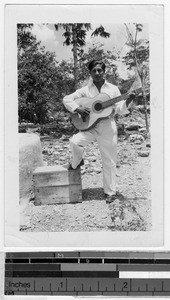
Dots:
pixel 90 91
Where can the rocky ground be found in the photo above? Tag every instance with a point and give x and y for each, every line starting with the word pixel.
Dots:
pixel 131 211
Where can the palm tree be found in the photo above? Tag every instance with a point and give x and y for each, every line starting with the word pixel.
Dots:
pixel 75 35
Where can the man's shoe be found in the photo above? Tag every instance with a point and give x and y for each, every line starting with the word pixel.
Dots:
pixel 111 198
pixel 69 165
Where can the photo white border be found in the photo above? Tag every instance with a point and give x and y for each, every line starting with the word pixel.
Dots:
pixel 37 14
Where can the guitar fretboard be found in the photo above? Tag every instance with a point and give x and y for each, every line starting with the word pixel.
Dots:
pixel 112 101
pixel 125 96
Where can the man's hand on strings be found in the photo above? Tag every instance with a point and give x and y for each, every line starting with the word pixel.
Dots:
pixel 83 111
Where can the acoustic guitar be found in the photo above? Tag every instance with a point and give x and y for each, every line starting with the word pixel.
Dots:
pixel 100 108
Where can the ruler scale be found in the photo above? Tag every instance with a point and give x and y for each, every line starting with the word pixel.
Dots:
pixel 87 273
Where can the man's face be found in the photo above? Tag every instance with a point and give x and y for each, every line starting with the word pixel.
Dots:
pixel 97 73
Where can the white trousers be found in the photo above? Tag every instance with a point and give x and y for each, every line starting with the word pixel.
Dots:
pixel 105 133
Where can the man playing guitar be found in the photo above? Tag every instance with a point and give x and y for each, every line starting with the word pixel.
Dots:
pixel 104 132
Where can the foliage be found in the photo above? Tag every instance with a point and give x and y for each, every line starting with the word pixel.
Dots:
pixel 100 31
pixel 75 35
pixel 42 82
pixel 74 30
pixel 138 58
pixel 138 54
pixel 24 36
pixel 141 51
pixel 34 83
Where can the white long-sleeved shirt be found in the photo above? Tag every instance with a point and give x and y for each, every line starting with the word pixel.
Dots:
pixel 90 91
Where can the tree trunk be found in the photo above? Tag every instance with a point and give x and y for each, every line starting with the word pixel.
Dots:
pixel 75 57
pixel 145 106
pixel 143 91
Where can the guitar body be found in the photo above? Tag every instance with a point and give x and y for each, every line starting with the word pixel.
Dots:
pixel 97 112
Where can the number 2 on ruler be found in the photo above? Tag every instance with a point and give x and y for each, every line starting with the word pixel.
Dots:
pixel 125 285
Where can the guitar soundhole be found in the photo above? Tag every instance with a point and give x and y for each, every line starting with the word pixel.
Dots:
pixel 98 106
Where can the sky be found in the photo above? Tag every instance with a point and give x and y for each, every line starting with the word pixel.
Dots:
pixel 53 40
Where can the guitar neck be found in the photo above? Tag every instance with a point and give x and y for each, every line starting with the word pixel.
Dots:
pixel 112 101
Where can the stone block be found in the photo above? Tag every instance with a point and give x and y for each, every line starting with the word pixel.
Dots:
pixel 30 157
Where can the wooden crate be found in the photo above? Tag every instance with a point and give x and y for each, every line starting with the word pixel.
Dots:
pixel 57 185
